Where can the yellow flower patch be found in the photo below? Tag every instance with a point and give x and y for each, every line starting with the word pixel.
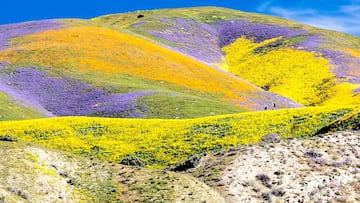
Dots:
pixel 160 142
pixel 296 74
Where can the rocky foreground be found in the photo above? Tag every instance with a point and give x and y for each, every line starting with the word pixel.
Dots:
pixel 324 168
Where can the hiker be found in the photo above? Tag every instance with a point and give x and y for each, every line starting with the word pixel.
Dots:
pixel 265 107
pixel 274 105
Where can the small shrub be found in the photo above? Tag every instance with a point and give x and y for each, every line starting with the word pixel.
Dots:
pixel 19 193
pixel 271 138
pixel 192 162
pixel 219 129
pixel 132 161
pixel 8 138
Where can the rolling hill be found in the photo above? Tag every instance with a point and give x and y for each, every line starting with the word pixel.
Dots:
pixel 72 62
pixel 321 66
pixel 176 105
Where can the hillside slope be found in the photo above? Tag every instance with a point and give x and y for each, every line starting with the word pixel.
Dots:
pixel 323 168
pixel 309 65
pixel 90 69
pixel 161 142
pixel 30 172
pixel 35 174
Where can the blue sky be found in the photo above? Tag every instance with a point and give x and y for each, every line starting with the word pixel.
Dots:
pixel 339 15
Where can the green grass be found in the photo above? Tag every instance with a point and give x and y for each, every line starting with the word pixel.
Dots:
pixel 12 111
pixel 182 106
pixel 203 14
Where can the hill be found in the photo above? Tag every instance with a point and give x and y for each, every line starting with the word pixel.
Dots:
pixel 160 143
pixel 277 55
pixel 31 173
pixel 178 105
pixel 308 65
pixel 125 146
pixel 90 69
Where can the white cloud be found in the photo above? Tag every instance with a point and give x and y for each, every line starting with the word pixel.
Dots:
pixel 350 9
pixel 264 6
pixel 345 19
pixel 287 13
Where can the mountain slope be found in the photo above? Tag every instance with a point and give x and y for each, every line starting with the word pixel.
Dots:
pixel 35 174
pixel 216 35
pixel 97 71
pixel 125 65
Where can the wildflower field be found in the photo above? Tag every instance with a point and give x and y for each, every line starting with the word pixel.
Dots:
pixel 82 98
pixel 306 64
pixel 159 143
pixel 73 60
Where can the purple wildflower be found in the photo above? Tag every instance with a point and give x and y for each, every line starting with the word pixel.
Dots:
pixel 229 31
pixel 344 65
pixel 356 90
pixel 138 23
pixel 261 99
pixel 69 97
pixel 192 38
pixel 204 41
pixel 20 29
pixel 310 43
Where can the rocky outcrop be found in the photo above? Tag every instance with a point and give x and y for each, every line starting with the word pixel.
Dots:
pixel 324 168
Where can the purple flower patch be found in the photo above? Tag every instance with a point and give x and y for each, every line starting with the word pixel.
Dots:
pixel 20 29
pixel 310 43
pixel 229 31
pixel 137 23
pixel 69 97
pixel 269 100
pixel 356 90
pixel 344 65
pixel 191 37
pixel 204 41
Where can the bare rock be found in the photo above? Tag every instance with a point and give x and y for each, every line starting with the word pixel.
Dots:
pixel 192 162
pixel 312 154
pixel 264 179
pixel 278 192
pixel 271 138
